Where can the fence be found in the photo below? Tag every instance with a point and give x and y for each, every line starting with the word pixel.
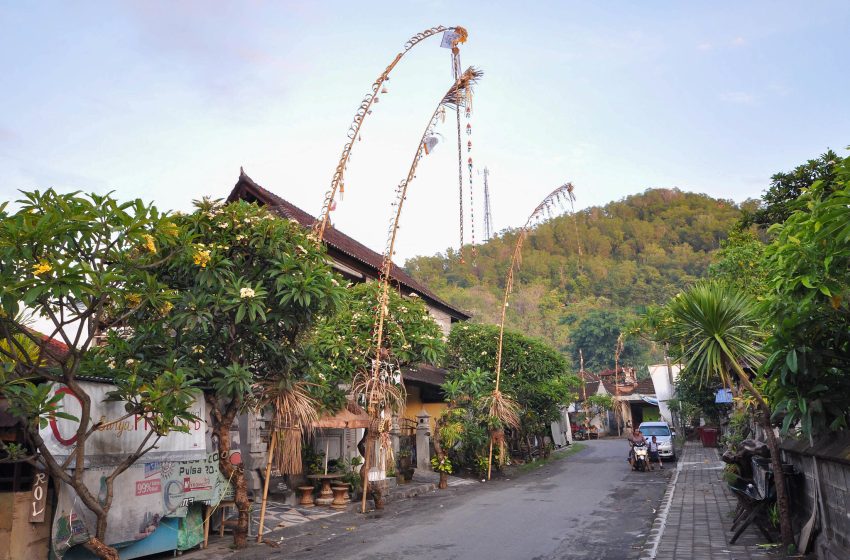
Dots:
pixel 827 465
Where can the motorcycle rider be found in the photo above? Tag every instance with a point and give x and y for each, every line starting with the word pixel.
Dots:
pixel 635 438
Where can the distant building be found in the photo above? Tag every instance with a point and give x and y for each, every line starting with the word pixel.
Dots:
pixel 635 400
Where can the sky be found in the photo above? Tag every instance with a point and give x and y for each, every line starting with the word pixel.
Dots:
pixel 165 101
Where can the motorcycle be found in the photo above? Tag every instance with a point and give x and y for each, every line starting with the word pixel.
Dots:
pixel 641 457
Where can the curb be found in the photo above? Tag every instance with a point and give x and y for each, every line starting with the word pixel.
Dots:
pixel 650 547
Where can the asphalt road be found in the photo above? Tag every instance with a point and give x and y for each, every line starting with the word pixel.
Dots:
pixel 587 505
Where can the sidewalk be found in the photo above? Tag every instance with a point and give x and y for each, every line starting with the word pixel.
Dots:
pixel 285 522
pixel 696 514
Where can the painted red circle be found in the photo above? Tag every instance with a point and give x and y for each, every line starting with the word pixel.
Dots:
pixel 55 429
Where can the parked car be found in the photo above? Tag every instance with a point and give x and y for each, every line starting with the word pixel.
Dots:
pixel 663 435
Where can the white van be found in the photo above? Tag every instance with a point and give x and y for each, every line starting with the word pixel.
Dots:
pixel 663 435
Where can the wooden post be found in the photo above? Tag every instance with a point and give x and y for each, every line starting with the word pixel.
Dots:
pixel 266 486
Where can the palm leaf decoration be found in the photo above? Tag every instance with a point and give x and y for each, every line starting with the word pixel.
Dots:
pixel 294 410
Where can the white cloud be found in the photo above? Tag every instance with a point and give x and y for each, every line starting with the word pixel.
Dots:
pixel 739 97
pixel 738 42
pixel 705 46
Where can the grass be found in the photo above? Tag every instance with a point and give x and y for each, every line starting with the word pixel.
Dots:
pixel 554 456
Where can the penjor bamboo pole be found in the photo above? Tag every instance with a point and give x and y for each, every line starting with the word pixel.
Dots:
pixel 266 486
pixel 362 112
pixel 564 190
pixel 466 80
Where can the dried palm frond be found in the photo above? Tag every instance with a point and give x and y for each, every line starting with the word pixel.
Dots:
pixel 459 94
pixel 379 391
pixel 293 410
pixel 503 408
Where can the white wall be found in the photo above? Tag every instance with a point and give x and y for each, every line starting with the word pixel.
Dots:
pixel 442 318
pixel 664 391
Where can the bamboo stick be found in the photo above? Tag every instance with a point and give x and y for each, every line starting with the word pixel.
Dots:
pixel 266 486
pixel 466 80
pixel 565 190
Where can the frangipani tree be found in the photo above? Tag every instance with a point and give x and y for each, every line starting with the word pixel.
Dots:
pixel 251 287
pixel 82 264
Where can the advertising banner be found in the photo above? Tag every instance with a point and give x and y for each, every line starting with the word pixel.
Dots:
pixel 116 440
pixel 142 495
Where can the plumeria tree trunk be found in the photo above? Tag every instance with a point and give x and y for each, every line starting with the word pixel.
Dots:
pixel 234 473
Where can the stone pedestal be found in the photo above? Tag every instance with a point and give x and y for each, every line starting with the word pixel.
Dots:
pixel 423 441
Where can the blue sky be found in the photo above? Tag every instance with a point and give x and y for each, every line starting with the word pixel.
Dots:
pixel 166 100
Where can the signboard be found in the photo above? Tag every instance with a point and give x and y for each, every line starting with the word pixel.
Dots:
pixel 39 498
pixel 143 495
pixel 118 438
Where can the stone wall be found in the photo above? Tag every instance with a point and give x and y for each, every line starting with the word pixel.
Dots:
pixel 828 463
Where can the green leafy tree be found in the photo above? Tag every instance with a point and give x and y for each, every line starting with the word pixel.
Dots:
pixel 778 201
pixel 462 432
pixel 596 336
pixel 740 262
pixel 82 263
pixel 534 375
pixel 342 347
pixel 809 346
pixel 719 331
pixel 343 343
pixel 250 288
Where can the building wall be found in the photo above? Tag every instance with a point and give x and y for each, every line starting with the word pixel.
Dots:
pixel 827 464
pixel 18 537
pixel 442 318
pixel 663 389
pixel 414 406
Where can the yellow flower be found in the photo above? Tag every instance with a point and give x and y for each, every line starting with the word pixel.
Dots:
pixel 202 258
pixel 168 228
pixel 166 308
pixel 134 300
pixel 42 267
pixel 150 245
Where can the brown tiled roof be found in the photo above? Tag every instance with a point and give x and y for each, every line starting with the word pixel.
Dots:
pixel 642 387
pixel 424 373
pixel 589 376
pixel 591 387
pixel 54 350
pixel 247 189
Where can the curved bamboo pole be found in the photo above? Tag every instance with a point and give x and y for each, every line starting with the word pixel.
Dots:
pixel 374 393
pixel 365 109
pixel 562 193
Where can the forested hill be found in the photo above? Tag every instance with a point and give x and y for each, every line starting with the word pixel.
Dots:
pixel 635 251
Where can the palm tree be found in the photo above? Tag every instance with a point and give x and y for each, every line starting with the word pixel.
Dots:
pixel 717 328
